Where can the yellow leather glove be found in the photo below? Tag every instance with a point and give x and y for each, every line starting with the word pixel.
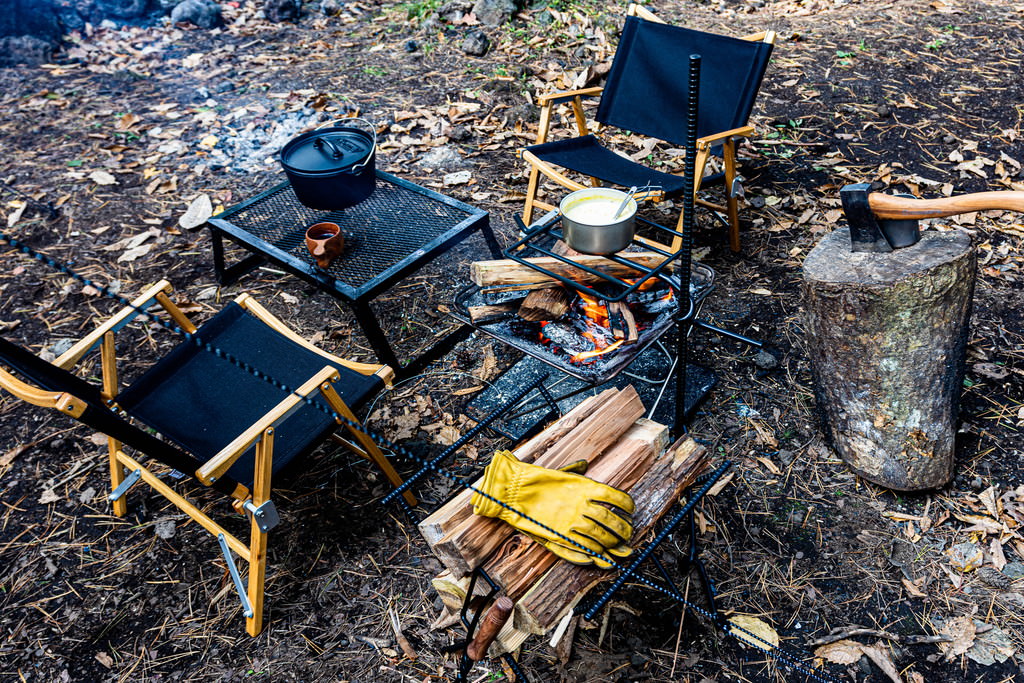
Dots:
pixel 566 502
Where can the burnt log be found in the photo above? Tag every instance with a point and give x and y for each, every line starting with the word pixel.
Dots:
pixel 887 334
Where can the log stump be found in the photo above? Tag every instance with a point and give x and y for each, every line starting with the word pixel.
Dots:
pixel 887 334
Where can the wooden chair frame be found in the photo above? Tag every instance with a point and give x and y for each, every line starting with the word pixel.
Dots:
pixel 261 433
pixel 728 139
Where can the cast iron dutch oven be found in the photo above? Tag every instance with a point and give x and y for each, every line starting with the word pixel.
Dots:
pixel 332 168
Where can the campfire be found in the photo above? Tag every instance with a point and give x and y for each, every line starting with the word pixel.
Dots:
pixel 578 332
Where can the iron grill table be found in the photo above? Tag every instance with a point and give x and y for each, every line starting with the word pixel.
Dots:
pixel 399 229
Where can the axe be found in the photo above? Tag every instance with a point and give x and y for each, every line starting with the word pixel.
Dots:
pixel 880 223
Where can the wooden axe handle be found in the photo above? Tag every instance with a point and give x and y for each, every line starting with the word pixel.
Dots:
pixel 887 207
pixel 490 624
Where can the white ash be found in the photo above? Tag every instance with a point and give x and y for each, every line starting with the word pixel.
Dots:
pixel 254 146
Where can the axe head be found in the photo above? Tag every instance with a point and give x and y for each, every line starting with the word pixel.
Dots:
pixel 869 234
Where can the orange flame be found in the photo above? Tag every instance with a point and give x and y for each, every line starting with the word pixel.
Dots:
pixel 587 355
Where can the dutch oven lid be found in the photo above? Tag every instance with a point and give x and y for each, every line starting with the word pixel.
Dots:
pixel 326 150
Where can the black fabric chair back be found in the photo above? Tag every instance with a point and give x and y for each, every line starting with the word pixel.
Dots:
pixel 98 414
pixel 646 90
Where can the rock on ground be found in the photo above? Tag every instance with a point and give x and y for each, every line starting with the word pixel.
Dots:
pixel 202 13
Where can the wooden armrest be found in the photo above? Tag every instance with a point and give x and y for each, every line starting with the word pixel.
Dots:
pixel 636 10
pixel 761 36
pixel 744 131
pixel 246 301
pixel 216 466
pixel 68 359
pixel 60 400
pixel 566 95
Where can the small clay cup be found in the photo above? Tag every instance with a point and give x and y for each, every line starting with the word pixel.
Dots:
pixel 325 242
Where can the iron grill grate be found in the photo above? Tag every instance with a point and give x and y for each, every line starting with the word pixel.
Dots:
pixel 390 225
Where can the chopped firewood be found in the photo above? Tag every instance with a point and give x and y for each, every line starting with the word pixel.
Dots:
pixel 520 562
pixel 506 272
pixel 458 509
pixel 545 304
pixel 622 322
pixel 490 312
pixel 558 592
pixel 469 542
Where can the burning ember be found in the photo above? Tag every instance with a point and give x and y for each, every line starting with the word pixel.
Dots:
pixel 580 334
pixel 593 328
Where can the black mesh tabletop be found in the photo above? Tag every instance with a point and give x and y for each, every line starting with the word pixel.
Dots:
pixel 397 227
pixel 393 233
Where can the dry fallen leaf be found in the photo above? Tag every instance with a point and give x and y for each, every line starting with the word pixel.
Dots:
pixel 840 652
pixel 879 654
pixel 198 211
pixel 962 631
pixel 102 178
pixel 754 632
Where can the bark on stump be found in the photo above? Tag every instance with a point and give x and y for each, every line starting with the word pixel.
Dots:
pixel 887 335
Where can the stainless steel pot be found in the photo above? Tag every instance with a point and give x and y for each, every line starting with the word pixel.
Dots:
pixel 588 222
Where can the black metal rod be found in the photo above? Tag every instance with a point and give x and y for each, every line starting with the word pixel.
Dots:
pixel 480 426
pixel 726 333
pixel 653 545
pixel 683 323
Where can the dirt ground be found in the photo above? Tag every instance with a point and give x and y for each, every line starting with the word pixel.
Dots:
pixel 129 126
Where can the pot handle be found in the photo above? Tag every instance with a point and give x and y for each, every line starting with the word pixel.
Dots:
pixel 373 133
pixel 322 142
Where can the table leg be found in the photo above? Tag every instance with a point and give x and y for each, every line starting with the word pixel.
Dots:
pixel 492 242
pixel 227 275
pixel 367 320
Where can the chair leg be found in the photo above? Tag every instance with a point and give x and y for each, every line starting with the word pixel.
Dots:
pixel 257 537
pixel 731 201
pixel 108 365
pixel 531 194
pixel 369 448
pixel 116 476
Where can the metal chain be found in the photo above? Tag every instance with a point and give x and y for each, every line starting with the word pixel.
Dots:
pixel 776 651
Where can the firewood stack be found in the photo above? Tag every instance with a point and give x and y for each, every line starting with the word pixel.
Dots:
pixel 625 450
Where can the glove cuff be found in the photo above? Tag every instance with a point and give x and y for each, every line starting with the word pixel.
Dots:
pixel 498 478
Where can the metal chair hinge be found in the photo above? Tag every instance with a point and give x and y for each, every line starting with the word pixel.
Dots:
pixel 235 577
pixel 265 515
pixel 123 487
pixel 737 187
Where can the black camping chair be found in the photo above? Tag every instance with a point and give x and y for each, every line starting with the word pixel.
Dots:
pixel 219 421
pixel 645 93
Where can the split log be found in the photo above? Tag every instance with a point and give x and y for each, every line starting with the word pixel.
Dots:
pixel 469 543
pixel 453 591
pixel 458 509
pixel 622 322
pixel 559 591
pixel 545 304
pixel 521 561
pixel 512 274
pixel 490 312
pixel 548 304
pixel 887 336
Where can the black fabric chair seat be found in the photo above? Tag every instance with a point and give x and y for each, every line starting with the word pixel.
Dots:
pixel 202 402
pixel 586 155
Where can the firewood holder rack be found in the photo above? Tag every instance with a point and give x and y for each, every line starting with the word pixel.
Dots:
pixel 473 606
pixel 470 617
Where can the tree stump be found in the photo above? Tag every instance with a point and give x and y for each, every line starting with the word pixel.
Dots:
pixel 887 334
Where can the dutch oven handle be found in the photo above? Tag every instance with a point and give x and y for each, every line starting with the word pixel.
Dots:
pixel 336 153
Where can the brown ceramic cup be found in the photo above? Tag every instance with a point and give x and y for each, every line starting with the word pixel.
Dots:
pixel 325 242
